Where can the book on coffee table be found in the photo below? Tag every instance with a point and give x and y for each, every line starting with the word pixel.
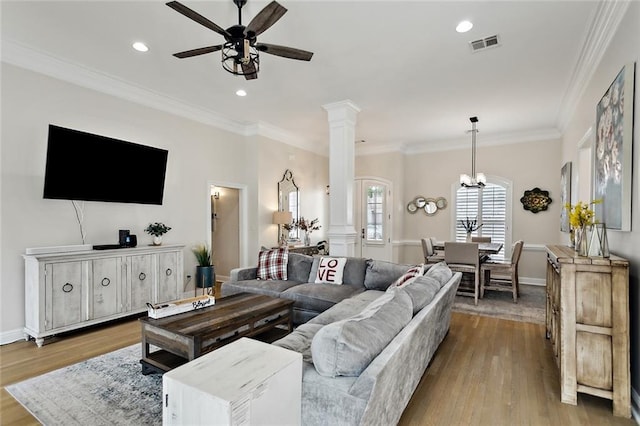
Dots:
pixel 161 310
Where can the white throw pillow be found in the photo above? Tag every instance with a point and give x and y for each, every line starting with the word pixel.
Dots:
pixel 330 270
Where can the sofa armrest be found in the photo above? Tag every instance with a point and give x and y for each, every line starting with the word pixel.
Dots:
pixel 243 274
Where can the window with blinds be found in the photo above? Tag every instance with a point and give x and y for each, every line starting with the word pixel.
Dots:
pixel 489 206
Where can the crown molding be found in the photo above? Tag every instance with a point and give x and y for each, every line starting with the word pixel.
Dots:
pixel 25 57
pixel 604 24
pixel 270 131
pixel 460 143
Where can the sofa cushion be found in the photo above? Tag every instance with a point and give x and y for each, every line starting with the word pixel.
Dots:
pixel 271 288
pixel 319 297
pixel 300 340
pixel 353 273
pixel 345 348
pixel 330 270
pixel 441 272
pixel 421 290
pixel 381 274
pixel 272 264
pixel 298 267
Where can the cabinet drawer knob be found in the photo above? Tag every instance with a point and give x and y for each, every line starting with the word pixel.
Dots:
pixel 67 288
pixel 142 276
pixel 168 271
pixel 105 282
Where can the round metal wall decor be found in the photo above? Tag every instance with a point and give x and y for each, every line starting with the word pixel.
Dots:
pixel 429 206
pixel 535 200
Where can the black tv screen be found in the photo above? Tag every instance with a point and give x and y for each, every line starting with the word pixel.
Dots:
pixel 84 166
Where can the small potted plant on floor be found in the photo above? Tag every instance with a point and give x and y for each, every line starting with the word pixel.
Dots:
pixel 157 230
pixel 205 271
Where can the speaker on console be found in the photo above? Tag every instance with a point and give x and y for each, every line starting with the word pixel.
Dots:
pixel 132 240
pixel 123 235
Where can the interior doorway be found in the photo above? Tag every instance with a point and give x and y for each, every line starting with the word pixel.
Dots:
pixel 225 230
pixel 372 218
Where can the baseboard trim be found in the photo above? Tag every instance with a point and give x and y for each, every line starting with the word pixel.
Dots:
pixel 11 336
pixel 635 405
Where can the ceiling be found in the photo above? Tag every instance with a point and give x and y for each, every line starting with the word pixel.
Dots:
pixel 415 79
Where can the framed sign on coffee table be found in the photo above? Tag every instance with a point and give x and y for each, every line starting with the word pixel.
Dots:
pixel 613 152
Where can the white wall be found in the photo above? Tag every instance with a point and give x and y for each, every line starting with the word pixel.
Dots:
pixel 624 48
pixel 311 175
pixel 198 155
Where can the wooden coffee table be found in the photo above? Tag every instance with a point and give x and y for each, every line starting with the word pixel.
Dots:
pixel 184 337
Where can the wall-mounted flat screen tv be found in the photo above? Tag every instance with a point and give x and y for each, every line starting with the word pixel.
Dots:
pixel 84 166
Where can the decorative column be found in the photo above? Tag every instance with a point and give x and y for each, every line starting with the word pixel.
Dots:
pixel 342 123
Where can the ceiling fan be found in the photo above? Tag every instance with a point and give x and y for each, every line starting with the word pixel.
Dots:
pixel 241 51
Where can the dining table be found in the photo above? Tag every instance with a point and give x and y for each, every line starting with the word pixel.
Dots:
pixel 483 247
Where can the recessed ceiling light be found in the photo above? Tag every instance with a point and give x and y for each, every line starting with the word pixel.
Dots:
pixel 140 46
pixel 241 92
pixel 464 26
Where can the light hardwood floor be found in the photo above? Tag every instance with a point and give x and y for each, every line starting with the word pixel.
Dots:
pixel 486 372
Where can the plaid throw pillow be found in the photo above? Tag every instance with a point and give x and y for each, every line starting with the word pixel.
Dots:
pixel 406 278
pixel 272 264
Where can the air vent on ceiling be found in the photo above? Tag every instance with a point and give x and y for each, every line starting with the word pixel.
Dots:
pixel 484 43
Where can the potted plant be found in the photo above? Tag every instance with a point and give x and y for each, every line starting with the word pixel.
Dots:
pixel 157 229
pixel 205 272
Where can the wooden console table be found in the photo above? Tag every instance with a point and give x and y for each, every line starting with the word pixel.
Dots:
pixel 587 321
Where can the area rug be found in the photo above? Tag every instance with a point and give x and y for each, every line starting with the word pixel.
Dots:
pixel 105 390
pixel 499 304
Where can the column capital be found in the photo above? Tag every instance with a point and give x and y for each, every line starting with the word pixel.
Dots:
pixel 341 110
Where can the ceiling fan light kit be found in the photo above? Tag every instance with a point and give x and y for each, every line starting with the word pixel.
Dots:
pixel 241 51
pixel 476 180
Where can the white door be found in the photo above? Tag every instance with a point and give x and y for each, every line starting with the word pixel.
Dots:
pixel 372 218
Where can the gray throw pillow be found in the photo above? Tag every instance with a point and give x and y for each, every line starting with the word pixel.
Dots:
pixel 347 347
pixel 441 272
pixel 298 267
pixel 380 274
pixel 421 290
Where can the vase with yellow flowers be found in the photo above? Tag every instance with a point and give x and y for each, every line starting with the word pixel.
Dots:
pixel 581 217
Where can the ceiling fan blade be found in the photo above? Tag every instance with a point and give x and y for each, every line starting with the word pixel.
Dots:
pixel 284 51
pixel 196 52
pixel 180 8
pixel 266 18
pixel 249 71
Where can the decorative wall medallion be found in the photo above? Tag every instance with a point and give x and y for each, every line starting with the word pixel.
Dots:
pixel 430 206
pixel 535 200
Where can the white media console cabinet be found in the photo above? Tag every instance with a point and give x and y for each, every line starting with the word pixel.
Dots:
pixel 67 291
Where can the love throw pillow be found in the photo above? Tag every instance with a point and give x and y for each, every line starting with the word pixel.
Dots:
pixel 330 270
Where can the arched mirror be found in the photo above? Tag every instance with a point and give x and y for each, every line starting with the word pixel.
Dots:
pixel 289 198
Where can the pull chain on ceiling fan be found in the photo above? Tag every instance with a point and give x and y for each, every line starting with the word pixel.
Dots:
pixel 241 51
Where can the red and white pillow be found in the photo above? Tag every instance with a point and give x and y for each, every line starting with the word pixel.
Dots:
pixel 272 264
pixel 330 270
pixel 409 276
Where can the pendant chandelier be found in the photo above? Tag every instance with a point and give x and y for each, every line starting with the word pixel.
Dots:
pixel 476 180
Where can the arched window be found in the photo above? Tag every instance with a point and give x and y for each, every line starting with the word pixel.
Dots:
pixel 491 207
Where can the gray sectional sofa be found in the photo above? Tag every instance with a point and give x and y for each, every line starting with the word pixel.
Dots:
pixel 365 345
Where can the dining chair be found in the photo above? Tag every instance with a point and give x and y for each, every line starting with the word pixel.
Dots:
pixel 480 239
pixel 464 257
pixel 430 256
pixel 434 243
pixel 502 276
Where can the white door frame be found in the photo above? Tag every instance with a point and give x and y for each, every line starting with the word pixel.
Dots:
pixel 388 250
pixel 243 219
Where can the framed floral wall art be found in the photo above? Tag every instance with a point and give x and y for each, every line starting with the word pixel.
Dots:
pixel 565 196
pixel 613 152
